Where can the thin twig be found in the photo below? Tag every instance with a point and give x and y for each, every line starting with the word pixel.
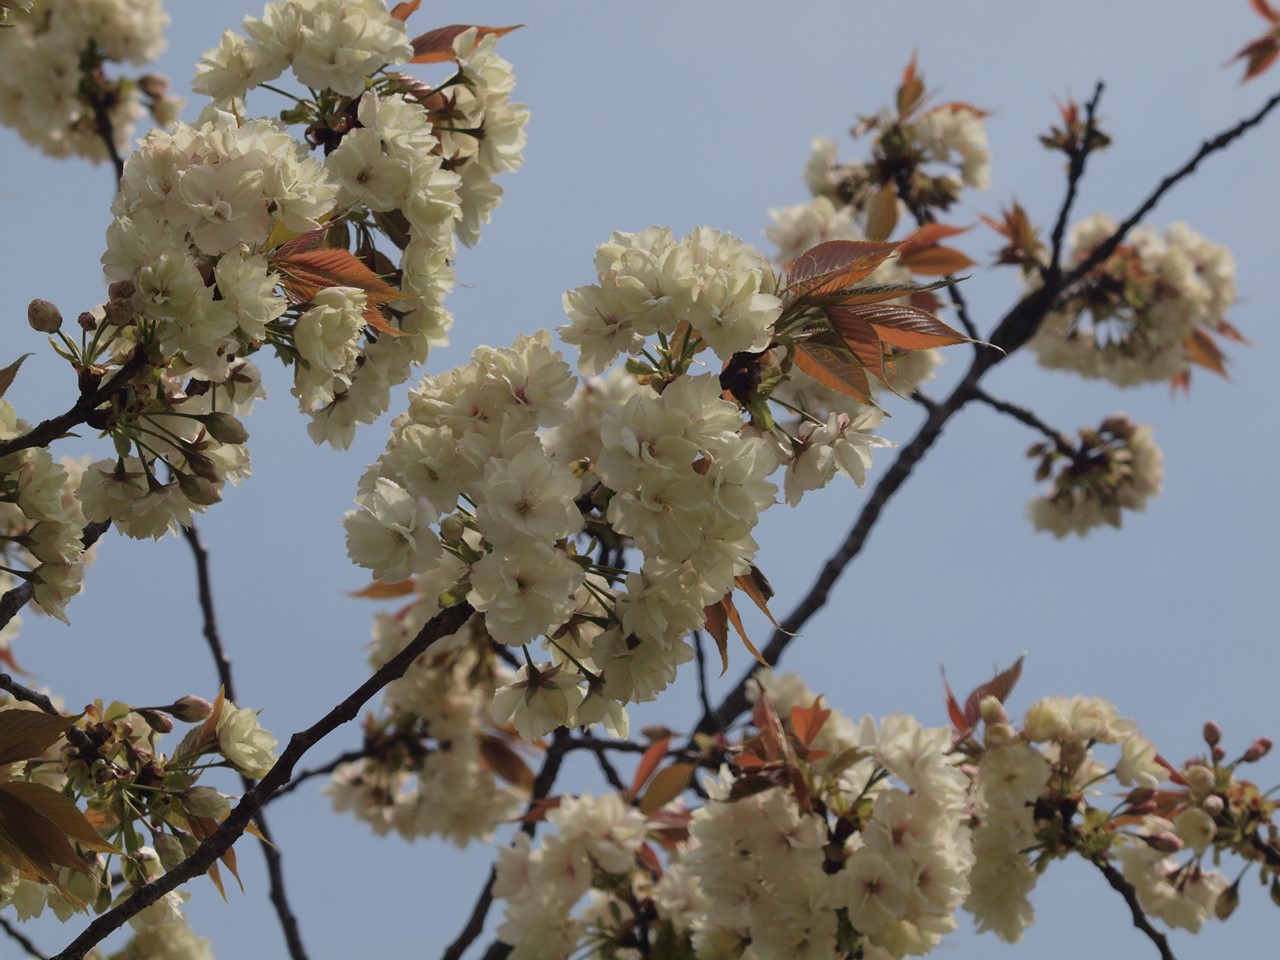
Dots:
pixel 1126 890
pixel 17 598
pixel 103 126
pixel 1075 172
pixel 21 939
pixel 1023 415
pixel 701 656
pixel 321 771
pixel 610 771
pixel 27 695
pixel 542 784
pixel 444 624
pixel 270 849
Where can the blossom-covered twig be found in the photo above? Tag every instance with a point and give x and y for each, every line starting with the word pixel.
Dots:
pixel 17 598
pixel 270 849
pixel 444 624
pixel 1126 890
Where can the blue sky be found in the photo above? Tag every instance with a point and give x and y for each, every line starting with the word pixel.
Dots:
pixel 681 115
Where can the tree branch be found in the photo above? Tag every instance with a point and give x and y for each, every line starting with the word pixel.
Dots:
pixel 1075 172
pixel 542 784
pixel 1125 889
pixel 21 939
pixel 17 598
pixel 320 771
pixel 443 624
pixel 1023 415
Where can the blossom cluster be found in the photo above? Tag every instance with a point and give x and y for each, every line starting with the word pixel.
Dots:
pixel 54 91
pixel 1116 467
pixel 1144 314
pixel 111 756
pixel 823 837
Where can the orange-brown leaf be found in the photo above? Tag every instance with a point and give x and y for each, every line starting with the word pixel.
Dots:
pixel 62 812
pixel 649 761
pixel 498 756
pixel 736 619
pixel 835 265
pixel 806 722
pixel 1258 56
pixel 436 46
pixel 304 273
pixel 377 590
pixel 28 733
pixel 882 212
pixel 911 90
pixel 666 785
pixel 402 11
pixel 928 235
pixel 1204 352
pixel 936 261
pixel 1264 10
pixel 954 710
pixel 756 586
pixel 908 328
pixel 1224 329
pixel 999 686
pixel 835 369
pixel 773 739
pixel 539 810
pixel 859 337
pixel 717 624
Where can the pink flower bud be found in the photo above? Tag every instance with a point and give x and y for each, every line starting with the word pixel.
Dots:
pixel 1166 841
pixel 1212 733
pixel 191 709
pixel 1212 805
pixel 1257 750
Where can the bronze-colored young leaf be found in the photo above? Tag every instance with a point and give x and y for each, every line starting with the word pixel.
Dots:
pixel 377 590
pixel 9 372
pixel 907 328
pixel 402 11
pixel 910 90
pixel 756 586
pixel 806 722
pixel 834 266
pixel 304 273
pixel 858 337
pixel 936 261
pixel 436 46
pixel 62 812
pixel 1204 352
pixel 37 839
pixel 834 368
pixel 497 755
pixel 882 212
pixel 716 623
pixel 666 785
pixel 28 733
pixel 736 619
pixel 999 686
pixel 649 761
pixel 773 739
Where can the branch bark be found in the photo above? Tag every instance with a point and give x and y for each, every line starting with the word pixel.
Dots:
pixel 1126 890
pixel 445 623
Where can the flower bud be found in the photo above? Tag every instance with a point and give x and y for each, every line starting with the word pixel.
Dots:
pixel 166 110
pixel 157 721
pixel 191 709
pixel 1275 889
pixel 1257 750
pixel 224 428
pixel 1213 805
pixel 993 710
pixel 198 490
pixel 1166 841
pixel 87 321
pixel 121 290
pixel 119 313
pixel 997 734
pixel 452 528
pixel 44 316
pixel 1227 901
pixel 154 85
pixel 1199 779
pixel 1218 753
pixel 1212 733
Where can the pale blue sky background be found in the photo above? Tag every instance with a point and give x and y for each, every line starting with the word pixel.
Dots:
pixel 685 114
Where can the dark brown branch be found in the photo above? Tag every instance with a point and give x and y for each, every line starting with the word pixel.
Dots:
pixel 1125 889
pixel 542 784
pixel 701 654
pixel 444 624
pixel 1075 172
pixel 1023 415
pixel 21 939
pixel 27 695
pixel 94 90
pixel 270 850
pixel 47 431
pixel 17 598
pixel 321 771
